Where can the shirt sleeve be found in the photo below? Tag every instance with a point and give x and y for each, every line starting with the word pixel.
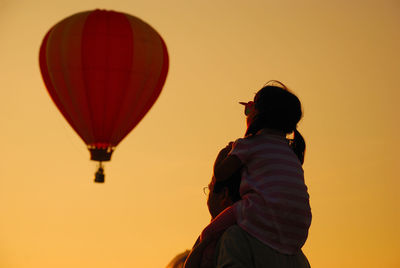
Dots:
pixel 240 148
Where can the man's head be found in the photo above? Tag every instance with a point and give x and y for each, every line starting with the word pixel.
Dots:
pixel 223 194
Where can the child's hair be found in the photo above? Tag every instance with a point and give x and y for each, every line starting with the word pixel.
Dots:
pixel 278 108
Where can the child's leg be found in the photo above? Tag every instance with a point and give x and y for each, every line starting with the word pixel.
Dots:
pixel 224 220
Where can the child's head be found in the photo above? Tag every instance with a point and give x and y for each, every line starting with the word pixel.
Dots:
pixel 275 108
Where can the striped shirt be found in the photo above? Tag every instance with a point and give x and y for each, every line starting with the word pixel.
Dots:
pixel 275 203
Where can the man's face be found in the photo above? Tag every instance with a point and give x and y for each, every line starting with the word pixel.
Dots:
pixel 217 202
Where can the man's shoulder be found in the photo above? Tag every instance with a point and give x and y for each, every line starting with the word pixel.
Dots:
pixel 236 234
pixel 238 249
pixel 234 230
pixel 233 249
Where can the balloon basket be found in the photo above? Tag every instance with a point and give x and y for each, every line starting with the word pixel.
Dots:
pixel 99 175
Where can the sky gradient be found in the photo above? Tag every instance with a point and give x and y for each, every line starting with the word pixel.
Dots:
pixel 341 58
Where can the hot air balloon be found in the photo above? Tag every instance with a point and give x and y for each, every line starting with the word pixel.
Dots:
pixel 104 70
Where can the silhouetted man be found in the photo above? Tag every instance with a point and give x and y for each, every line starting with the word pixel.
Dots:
pixel 236 248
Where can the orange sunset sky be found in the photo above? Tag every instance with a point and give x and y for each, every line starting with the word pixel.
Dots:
pixel 342 59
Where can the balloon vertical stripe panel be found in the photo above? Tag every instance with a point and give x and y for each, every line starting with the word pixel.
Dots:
pixel 107 34
pixel 62 72
pixel 63 57
pixel 147 77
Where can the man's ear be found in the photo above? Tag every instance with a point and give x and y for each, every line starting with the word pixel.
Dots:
pixel 226 199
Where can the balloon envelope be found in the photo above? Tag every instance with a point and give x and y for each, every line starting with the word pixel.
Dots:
pixel 104 70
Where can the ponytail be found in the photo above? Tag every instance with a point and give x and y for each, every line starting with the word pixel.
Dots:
pixel 298 146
